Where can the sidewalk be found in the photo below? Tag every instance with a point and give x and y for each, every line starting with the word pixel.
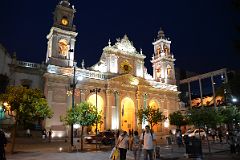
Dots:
pixel 36 149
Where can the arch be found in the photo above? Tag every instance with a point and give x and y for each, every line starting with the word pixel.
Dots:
pixel 127 114
pixel 154 104
pixel 63 47
pixel 100 108
pixel 169 71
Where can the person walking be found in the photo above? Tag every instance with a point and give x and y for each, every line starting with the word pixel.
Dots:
pixel 28 132
pixel 122 145
pixel 148 139
pixel 49 135
pixel 136 145
pixel 3 142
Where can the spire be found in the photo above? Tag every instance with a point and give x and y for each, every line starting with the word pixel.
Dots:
pixel 161 34
pixel 83 63
pixel 125 37
pixel 109 43
pixel 141 51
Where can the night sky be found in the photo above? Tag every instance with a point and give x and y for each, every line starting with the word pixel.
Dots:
pixel 201 31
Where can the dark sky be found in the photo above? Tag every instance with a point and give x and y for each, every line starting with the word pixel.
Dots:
pixel 201 31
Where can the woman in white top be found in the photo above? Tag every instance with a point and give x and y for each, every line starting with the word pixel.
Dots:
pixel 122 145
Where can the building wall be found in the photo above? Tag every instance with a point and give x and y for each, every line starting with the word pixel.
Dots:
pixel 5 59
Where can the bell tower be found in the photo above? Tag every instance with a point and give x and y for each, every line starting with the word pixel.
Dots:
pixel 163 60
pixel 62 36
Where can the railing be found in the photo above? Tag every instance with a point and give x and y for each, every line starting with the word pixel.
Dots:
pixel 28 64
pixel 93 74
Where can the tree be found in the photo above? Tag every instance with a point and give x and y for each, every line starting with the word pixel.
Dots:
pixel 177 119
pixel 84 114
pixel 151 115
pixel 25 105
pixel 230 115
pixel 204 118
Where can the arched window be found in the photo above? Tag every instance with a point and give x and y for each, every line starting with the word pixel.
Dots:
pixel 169 71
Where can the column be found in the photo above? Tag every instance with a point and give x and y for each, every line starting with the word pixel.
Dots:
pixel 115 123
pixel 189 95
pixel 138 100
pixel 213 90
pixel 200 86
pixel 108 115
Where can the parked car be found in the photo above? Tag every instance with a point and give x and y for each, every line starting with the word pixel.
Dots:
pixel 105 137
pixel 195 133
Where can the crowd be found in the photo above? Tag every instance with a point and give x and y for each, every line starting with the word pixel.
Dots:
pixel 132 141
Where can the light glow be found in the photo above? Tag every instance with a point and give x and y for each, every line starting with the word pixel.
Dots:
pixel 76 126
pixel 166 123
pixel 234 100
pixel 134 81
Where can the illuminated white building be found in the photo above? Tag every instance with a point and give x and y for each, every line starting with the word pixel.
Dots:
pixel 120 74
pixel 125 84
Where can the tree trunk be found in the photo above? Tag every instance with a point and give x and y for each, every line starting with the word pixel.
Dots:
pixel 82 138
pixel 13 137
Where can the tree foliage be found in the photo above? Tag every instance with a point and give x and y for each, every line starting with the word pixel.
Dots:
pixel 28 105
pixel 230 115
pixel 84 114
pixel 151 115
pixel 177 119
pixel 203 117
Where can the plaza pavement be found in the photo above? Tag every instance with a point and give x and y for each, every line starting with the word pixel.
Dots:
pixel 37 149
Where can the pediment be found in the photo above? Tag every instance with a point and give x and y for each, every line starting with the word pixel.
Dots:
pixel 129 79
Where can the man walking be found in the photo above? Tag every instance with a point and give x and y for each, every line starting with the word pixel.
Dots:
pixel 3 142
pixel 148 139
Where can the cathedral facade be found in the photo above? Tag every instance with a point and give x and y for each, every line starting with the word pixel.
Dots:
pixel 118 84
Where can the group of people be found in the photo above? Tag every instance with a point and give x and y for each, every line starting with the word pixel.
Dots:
pixel 233 139
pixel 146 141
pixel 46 134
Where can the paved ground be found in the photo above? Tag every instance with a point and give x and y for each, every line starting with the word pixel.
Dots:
pixel 36 149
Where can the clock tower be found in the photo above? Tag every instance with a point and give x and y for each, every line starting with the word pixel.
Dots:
pixel 163 60
pixel 62 36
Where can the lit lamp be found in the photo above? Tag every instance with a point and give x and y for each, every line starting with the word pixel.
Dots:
pixel 234 100
pixel 76 126
pixel 166 123
pixel 7 108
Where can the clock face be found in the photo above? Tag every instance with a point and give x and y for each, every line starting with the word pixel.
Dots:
pixel 126 67
pixel 64 21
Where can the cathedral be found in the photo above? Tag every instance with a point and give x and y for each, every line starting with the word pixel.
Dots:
pixel 118 84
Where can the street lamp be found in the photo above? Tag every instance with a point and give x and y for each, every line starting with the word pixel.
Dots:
pixel 7 108
pixel 73 94
pixel 234 100
pixel 96 90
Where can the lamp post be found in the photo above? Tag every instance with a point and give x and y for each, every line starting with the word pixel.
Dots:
pixel 73 94
pixel 96 90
